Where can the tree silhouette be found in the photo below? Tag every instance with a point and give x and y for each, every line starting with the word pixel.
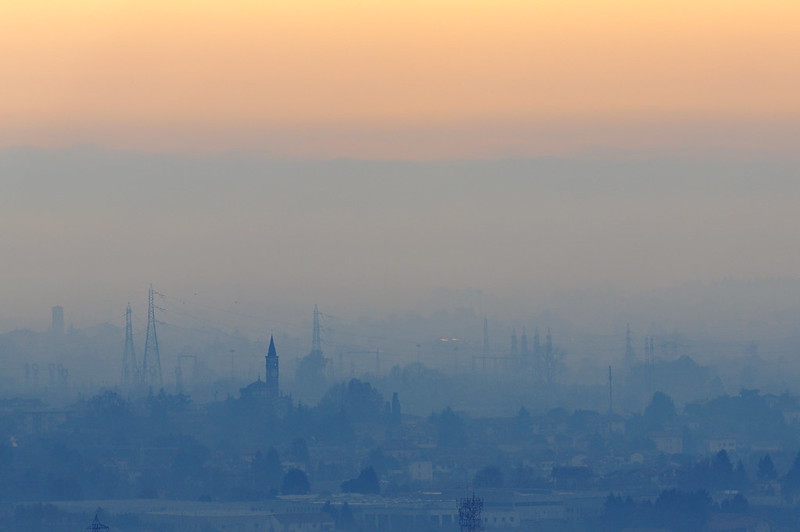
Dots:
pixel 791 482
pixel 295 482
pixel 766 469
pixel 366 482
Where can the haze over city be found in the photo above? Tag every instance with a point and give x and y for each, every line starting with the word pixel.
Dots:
pixel 562 235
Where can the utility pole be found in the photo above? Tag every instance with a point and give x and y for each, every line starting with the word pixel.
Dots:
pixel 151 362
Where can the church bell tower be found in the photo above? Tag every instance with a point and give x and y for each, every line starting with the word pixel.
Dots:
pixel 272 375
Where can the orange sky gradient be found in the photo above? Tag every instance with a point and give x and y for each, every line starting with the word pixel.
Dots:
pixel 411 79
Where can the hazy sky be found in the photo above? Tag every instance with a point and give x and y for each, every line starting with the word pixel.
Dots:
pixel 567 145
pixel 412 79
pixel 90 228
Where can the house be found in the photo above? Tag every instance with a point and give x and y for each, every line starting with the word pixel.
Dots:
pixel 668 442
pixel 421 471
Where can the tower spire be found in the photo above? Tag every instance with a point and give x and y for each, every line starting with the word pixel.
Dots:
pixel 272 376
pixel 151 360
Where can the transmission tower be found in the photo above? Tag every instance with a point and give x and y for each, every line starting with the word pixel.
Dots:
pixel 130 370
pixel 523 343
pixel 151 362
pixel 629 353
pixel 316 337
pixel 469 514
pixel 97 526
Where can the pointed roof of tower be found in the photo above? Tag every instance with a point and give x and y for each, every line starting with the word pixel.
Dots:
pixel 272 352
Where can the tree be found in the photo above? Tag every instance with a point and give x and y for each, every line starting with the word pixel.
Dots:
pixel 189 459
pixel 660 411
pixel 740 476
pixel 346 520
pixel 295 482
pixel 736 505
pixel 366 482
pixel 380 462
pixel 451 430
pixel 791 482
pixel 766 469
pixel 721 470
pixel 111 411
pixel 267 469
pixel 618 513
pixel 683 511
pixel 299 450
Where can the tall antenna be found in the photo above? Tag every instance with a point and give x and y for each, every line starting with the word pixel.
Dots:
pixel 130 370
pixel 316 337
pixel 151 362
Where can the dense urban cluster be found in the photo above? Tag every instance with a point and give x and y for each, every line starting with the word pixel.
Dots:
pixel 355 461
pixel 666 448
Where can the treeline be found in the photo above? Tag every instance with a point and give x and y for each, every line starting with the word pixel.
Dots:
pixel 674 509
